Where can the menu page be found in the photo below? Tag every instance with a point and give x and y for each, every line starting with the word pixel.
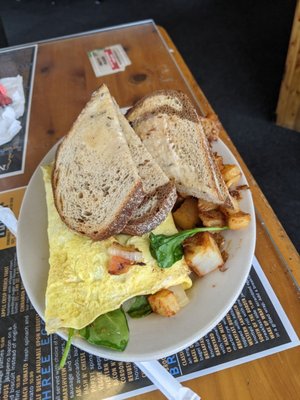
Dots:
pixel 29 359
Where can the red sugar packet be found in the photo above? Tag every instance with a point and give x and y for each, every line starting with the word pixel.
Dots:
pixel 4 99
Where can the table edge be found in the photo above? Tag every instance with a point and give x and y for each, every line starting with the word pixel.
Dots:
pixel 282 244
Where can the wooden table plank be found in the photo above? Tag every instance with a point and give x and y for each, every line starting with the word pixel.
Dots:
pixel 288 107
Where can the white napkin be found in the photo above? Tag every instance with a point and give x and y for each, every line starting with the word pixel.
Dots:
pixel 7 217
pixel 9 124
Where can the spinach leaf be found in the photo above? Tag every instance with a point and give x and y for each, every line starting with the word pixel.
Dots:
pixel 140 307
pixel 168 249
pixel 67 348
pixel 109 330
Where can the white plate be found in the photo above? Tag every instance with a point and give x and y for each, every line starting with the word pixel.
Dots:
pixel 152 337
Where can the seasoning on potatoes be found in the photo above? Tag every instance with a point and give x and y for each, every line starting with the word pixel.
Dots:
pixel 238 220
pixel 202 254
pixel 229 211
pixel 204 205
pixel 231 174
pixel 213 218
pixel 164 303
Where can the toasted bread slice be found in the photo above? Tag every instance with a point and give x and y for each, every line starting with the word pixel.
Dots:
pixel 169 126
pixel 160 192
pixel 95 181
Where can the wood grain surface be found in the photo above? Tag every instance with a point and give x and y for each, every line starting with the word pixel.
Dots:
pixel 64 81
pixel 288 107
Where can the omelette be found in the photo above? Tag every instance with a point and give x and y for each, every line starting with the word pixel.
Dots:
pixel 80 288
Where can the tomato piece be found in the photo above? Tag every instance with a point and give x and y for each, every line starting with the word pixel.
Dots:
pixel 4 99
pixel 119 265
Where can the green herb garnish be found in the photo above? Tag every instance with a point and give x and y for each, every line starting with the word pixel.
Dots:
pixel 67 348
pixel 109 330
pixel 140 307
pixel 168 249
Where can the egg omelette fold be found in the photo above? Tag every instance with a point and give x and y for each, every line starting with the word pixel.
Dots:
pixel 79 287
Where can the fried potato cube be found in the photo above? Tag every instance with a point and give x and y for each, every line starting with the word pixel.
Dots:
pixel 233 181
pixel 204 205
pixel 186 216
pixel 202 253
pixel 213 218
pixel 231 174
pixel 229 211
pixel 238 220
pixel 164 303
pixel 229 171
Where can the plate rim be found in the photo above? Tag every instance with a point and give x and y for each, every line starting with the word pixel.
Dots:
pixel 118 356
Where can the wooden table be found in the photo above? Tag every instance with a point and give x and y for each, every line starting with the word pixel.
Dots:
pixel 288 106
pixel 64 81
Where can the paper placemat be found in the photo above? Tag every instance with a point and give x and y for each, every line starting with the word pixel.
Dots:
pixel 255 327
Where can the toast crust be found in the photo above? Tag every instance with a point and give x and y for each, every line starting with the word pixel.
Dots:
pixel 186 112
pixel 145 119
pixel 165 196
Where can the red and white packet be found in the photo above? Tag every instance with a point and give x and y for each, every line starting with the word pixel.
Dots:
pixel 109 60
